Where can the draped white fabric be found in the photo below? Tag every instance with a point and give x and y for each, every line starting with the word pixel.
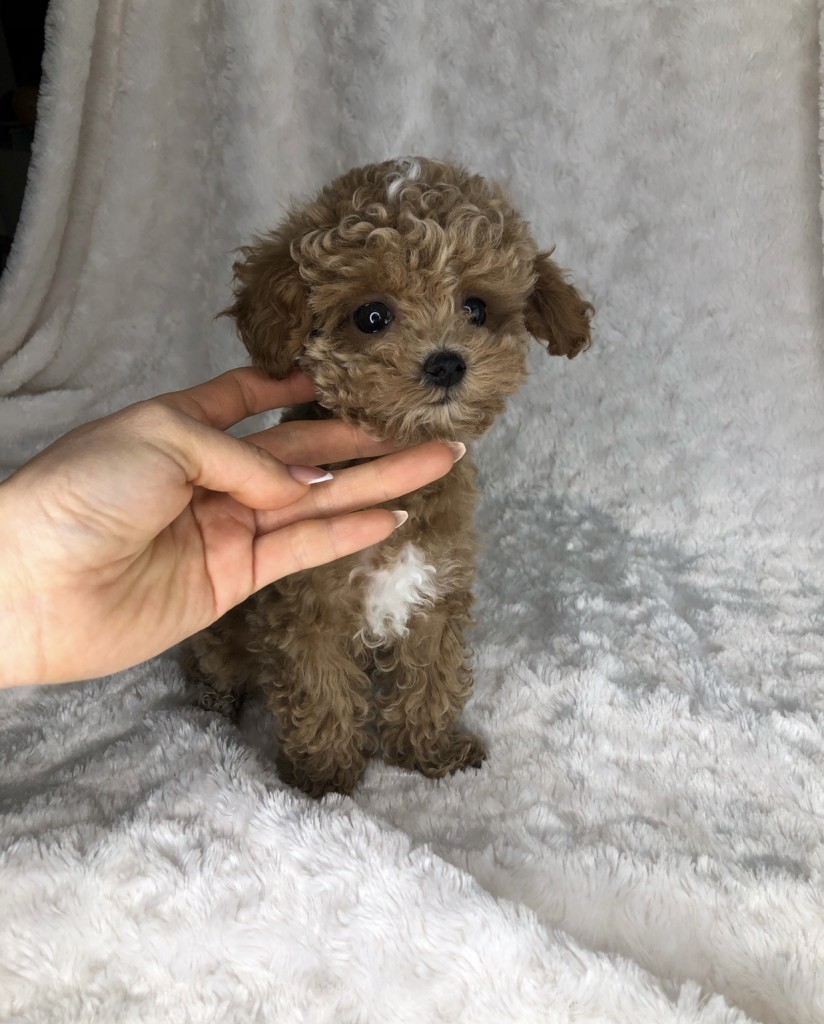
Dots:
pixel 646 841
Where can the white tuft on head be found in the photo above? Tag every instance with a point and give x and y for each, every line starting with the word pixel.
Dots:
pixel 409 169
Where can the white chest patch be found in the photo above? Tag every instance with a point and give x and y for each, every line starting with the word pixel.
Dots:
pixel 393 593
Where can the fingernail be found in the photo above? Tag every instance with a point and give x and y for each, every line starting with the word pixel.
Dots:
pixel 400 518
pixel 309 474
pixel 458 450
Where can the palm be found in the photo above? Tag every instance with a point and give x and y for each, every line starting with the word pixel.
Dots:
pixel 198 567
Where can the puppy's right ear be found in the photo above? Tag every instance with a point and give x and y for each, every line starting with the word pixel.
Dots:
pixel 270 308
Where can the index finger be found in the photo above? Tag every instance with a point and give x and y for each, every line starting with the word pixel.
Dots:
pixel 237 394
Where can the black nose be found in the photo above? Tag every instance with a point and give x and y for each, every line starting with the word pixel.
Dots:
pixel 444 369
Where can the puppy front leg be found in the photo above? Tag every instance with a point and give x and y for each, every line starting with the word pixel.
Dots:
pixel 320 698
pixel 425 682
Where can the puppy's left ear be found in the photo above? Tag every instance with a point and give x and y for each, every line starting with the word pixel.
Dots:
pixel 556 312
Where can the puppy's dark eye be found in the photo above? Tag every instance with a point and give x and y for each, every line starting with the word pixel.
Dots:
pixel 476 310
pixel 373 317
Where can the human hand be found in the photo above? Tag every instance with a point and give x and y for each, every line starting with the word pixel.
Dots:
pixel 132 532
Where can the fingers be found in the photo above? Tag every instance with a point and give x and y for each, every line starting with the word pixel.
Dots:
pixel 237 394
pixel 313 542
pixel 369 484
pixel 314 442
pixel 243 392
pixel 220 462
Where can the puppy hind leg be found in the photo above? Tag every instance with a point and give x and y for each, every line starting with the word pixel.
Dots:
pixel 218 664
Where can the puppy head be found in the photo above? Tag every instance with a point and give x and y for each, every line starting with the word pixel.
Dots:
pixel 407 290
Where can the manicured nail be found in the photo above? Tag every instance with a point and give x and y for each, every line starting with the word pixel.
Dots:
pixel 309 474
pixel 458 450
pixel 400 518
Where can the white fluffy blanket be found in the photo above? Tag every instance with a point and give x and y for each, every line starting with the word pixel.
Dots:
pixel 646 841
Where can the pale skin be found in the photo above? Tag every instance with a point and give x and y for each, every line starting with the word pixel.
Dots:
pixel 137 530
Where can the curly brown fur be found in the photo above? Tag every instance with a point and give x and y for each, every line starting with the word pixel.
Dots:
pixel 374 643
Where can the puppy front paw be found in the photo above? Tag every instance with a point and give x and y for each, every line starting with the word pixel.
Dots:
pixel 316 779
pixel 450 752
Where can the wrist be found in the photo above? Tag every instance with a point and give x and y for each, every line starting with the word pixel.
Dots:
pixel 21 660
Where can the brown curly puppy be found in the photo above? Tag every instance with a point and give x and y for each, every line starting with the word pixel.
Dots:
pixel 407 290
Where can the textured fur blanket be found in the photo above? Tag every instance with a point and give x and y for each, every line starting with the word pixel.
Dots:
pixel 646 840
